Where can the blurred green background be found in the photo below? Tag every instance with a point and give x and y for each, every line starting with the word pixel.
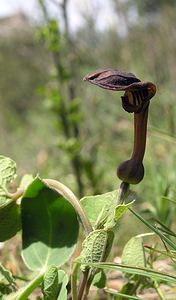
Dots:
pixel 42 63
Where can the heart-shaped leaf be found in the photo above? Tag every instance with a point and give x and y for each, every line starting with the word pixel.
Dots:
pixel 10 220
pixel 49 227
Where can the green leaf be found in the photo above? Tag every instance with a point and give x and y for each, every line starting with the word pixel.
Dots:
pixel 26 180
pixel 7 174
pixel 7 283
pixel 49 227
pixel 54 284
pixel 50 284
pixel 7 170
pixel 100 209
pixel 121 209
pixel 10 220
pixel 63 281
pixel 100 279
pixel 135 271
pixel 133 253
pixel 94 246
pixel 6 277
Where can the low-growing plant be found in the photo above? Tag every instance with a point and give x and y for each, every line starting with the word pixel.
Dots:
pixel 49 215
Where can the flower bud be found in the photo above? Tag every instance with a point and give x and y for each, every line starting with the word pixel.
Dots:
pixel 131 171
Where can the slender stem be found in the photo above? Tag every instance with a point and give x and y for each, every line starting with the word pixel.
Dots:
pixel 15 196
pixel 70 129
pixel 26 291
pixel 140 131
pixel 68 194
pixel 82 284
pixel 158 290
pixel 21 278
pixel 123 189
pixel 88 284
pixel 76 161
pixel 75 267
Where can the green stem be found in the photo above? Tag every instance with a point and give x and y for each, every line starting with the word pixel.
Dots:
pixel 26 291
pixel 74 281
pixel 68 194
pixel 158 290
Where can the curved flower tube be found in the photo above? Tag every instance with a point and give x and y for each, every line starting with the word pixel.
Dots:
pixel 135 100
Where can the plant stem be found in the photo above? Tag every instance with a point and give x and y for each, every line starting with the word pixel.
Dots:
pixel 68 194
pixel 26 291
pixel 15 196
pixel 70 129
pixel 140 131
pixel 123 189
pixel 83 282
pixel 75 267
pixel 159 292
pixel 88 284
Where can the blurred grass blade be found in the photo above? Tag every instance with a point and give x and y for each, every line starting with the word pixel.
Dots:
pixel 165 228
pixel 169 199
pixel 155 275
pixel 114 292
pixel 170 254
pixel 153 228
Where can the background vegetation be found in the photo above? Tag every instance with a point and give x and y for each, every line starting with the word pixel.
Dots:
pixel 42 66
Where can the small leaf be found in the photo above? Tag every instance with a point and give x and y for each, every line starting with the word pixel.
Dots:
pixel 100 209
pixel 49 227
pixel 62 281
pixel 121 209
pixel 94 246
pixel 133 253
pixel 6 277
pixel 7 174
pixel 7 170
pixel 50 284
pixel 7 283
pixel 9 211
pixel 100 279
pixel 54 284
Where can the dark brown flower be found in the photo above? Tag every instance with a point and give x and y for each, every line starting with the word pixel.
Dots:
pixel 137 93
pixel 135 99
